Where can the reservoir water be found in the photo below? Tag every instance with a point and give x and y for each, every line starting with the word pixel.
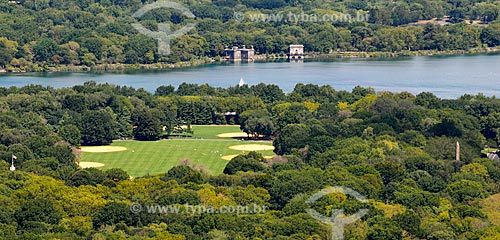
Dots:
pixel 446 76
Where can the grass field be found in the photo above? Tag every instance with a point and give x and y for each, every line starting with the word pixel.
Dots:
pixel 211 132
pixel 488 150
pixel 143 158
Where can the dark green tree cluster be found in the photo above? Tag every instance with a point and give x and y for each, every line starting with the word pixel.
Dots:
pixel 396 149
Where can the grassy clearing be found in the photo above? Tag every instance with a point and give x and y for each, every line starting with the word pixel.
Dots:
pixel 488 150
pixel 143 158
pixel 211 132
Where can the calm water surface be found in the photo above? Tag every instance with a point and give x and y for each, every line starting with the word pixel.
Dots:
pixel 447 77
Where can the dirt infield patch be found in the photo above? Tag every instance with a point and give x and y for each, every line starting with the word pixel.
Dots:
pixel 102 149
pixel 252 147
pixel 229 157
pixel 91 165
pixel 233 135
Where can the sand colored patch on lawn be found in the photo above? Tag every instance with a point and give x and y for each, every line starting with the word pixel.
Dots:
pixel 252 147
pixel 103 149
pixel 229 157
pixel 233 135
pixel 91 165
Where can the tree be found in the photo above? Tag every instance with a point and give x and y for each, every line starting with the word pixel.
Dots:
pixel 97 127
pixel 6 54
pixel 244 163
pixel 138 49
pixel 465 190
pixel 491 126
pixel 256 122
pixel 287 184
pixel 390 171
pixel 37 210
pixel 491 35
pixel 269 93
pixel 428 100
pixel 409 221
pixel 45 49
pixel 75 102
pixel 290 137
pixel 164 90
pixel 122 107
pixel 147 124
pixel 293 113
pixel 88 176
pixel 71 134
pixel 116 174
pixel 94 46
pixel 112 213
pixel 184 174
pixel 486 12
pixel 384 229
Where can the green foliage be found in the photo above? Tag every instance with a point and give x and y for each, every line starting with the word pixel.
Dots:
pixel 256 122
pixel 390 171
pixel 116 174
pixel 466 190
pixel 184 174
pixel 45 49
pixel 384 228
pixel 89 176
pixel 249 162
pixel 36 212
pixel 287 184
pixel 397 150
pixel 409 221
pixel 71 134
pixel 147 124
pixel 291 137
pixel 491 35
pixel 97 127
pixel 112 213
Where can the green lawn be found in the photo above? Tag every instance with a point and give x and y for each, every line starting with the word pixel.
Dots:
pixel 211 132
pixel 155 157
pixel 488 150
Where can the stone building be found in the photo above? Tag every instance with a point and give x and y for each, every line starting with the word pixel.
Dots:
pixel 296 52
pixel 240 54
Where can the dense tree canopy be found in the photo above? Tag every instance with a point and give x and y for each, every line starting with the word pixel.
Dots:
pixel 90 33
pixel 396 149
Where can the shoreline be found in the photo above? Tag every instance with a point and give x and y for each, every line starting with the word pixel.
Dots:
pixel 121 67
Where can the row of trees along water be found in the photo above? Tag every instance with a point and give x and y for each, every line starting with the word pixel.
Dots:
pixel 397 149
pixel 88 33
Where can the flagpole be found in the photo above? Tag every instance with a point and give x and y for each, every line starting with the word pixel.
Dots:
pixel 12 168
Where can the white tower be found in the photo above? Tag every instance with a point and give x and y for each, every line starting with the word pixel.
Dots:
pixel 12 168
